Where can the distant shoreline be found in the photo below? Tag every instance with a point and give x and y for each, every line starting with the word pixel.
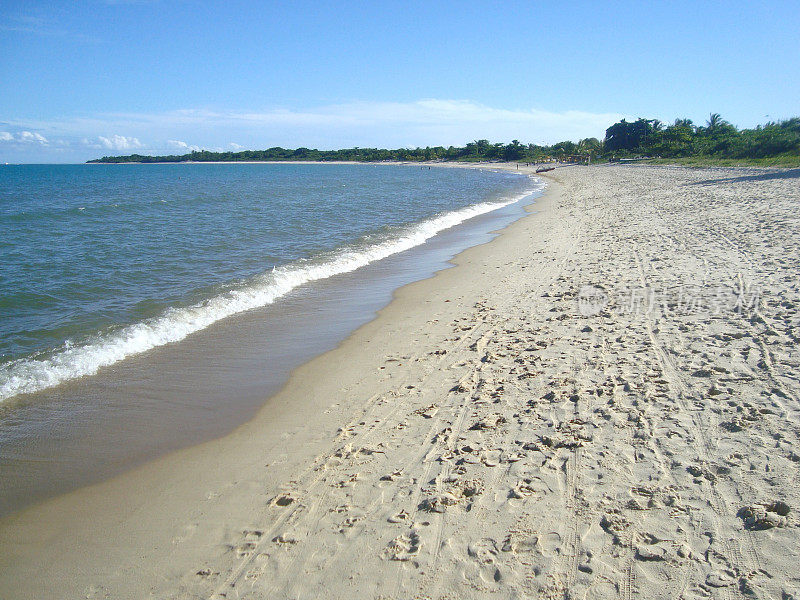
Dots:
pixel 307 162
pixel 255 162
pixel 772 144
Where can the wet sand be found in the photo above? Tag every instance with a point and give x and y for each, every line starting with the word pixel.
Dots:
pixel 602 402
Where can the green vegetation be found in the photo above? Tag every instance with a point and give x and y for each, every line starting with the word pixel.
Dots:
pixel 479 150
pixel 717 142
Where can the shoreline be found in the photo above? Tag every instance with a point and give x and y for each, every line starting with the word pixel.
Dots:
pixel 145 406
pixel 277 412
pixel 24 383
pixel 468 164
pixel 487 433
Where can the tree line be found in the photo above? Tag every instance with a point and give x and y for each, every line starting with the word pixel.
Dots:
pixel 717 138
pixel 479 150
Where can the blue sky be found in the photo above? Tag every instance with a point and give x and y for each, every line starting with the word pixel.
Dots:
pixel 80 80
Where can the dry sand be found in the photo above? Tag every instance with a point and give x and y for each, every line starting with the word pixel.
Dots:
pixel 600 403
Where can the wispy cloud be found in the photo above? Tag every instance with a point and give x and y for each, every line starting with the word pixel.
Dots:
pixel 47 25
pixel 442 115
pixel 25 24
pixel 390 120
pixel 385 124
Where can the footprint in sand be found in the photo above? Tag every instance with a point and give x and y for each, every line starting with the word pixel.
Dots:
pixel 518 544
pixel 721 579
pixel 522 489
pixel 550 544
pixel 485 553
pixel 651 553
pixel 404 547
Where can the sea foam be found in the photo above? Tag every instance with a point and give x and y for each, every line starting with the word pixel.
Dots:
pixel 29 375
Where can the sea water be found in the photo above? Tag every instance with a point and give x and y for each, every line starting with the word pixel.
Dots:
pixel 144 308
pixel 102 262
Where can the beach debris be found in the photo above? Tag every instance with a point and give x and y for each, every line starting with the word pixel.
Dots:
pixel 285 538
pixel 399 517
pixel 490 422
pixel 459 490
pixel 427 411
pixel 283 500
pixel 439 503
pixel 392 476
pixel 765 515
pixel 204 573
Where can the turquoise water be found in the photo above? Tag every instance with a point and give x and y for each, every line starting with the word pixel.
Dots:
pixel 102 262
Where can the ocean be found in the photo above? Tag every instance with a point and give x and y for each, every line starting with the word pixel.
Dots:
pixel 104 266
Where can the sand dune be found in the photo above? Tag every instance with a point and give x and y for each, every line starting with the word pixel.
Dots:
pixel 600 403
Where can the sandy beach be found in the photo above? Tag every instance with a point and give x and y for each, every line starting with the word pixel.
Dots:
pixel 600 403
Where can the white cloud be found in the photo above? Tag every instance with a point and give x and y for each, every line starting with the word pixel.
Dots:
pixel 183 145
pixel 24 137
pixel 236 146
pixel 119 142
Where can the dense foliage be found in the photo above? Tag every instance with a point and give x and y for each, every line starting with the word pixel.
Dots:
pixel 643 137
pixel 717 138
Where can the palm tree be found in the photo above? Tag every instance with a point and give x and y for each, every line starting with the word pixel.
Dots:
pixel 714 122
pixel 589 145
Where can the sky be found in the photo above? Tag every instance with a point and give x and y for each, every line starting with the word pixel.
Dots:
pixel 84 79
